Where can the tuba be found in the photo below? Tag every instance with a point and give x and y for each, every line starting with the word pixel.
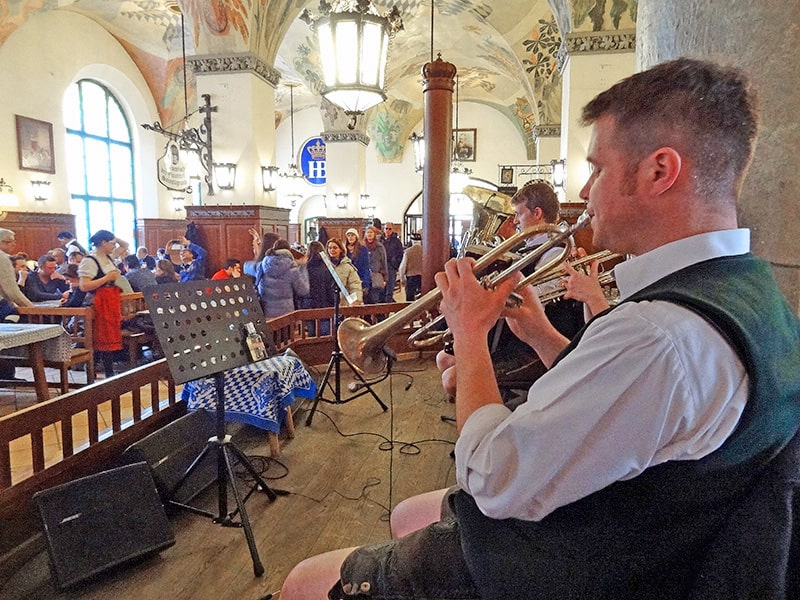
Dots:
pixel 491 210
pixel 362 344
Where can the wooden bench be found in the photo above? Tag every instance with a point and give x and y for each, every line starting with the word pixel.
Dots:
pixel 78 323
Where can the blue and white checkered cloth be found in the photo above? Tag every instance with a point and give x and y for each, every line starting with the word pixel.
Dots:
pixel 257 394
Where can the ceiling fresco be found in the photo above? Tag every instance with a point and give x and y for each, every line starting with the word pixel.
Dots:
pixel 505 52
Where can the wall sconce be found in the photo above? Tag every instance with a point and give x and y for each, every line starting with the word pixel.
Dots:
pixel 7 197
pixel 41 190
pixel 269 178
pixel 419 151
pixel 559 172
pixel 225 175
pixel 341 199
pixel 363 202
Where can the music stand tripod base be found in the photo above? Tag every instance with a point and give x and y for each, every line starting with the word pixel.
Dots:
pixel 201 328
pixel 335 368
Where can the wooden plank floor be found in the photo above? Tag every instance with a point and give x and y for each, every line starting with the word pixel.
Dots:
pixel 343 473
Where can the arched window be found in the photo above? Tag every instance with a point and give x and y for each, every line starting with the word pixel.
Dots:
pixel 100 161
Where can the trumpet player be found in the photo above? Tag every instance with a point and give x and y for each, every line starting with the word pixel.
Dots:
pixel 661 435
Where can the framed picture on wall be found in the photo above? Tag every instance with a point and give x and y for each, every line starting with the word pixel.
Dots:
pixel 35 145
pixel 506 175
pixel 464 144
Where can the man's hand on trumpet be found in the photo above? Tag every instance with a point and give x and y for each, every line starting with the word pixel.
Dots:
pixel 530 324
pixel 471 310
pixel 585 287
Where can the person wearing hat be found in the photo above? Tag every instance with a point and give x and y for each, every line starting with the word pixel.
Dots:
pixel 411 267
pixel 378 266
pixel 359 256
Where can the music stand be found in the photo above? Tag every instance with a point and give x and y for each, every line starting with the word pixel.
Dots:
pixel 201 328
pixel 335 361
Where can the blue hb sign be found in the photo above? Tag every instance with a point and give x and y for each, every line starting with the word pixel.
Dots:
pixel 312 161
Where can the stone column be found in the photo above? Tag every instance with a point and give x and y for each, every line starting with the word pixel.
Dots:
pixel 438 85
pixel 596 61
pixel 345 170
pixel 763 38
pixel 242 87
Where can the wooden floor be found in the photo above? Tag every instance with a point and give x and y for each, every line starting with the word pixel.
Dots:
pixel 343 472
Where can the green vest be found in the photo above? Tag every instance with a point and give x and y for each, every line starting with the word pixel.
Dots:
pixel 646 537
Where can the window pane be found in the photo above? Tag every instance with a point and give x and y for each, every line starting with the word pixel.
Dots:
pixel 99 216
pixel 77 183
pixel 121 175
pixel 97 167
pixel 94 109
pixel 124 221
pixel 78 207
pixel 117 125
pixel 71 108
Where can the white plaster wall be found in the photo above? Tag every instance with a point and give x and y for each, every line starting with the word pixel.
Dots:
pixel 37 64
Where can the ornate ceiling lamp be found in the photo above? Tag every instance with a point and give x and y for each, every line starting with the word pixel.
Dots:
pixel 354 45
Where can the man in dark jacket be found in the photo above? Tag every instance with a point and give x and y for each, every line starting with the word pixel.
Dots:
pixel 394 256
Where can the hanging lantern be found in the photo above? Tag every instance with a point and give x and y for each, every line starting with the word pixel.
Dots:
pixel 354 45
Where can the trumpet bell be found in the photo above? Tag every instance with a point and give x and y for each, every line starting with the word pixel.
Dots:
pixel 361 350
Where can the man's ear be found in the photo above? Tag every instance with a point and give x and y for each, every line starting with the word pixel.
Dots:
pixel 662 169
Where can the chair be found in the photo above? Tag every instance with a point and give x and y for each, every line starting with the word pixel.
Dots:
pixel 133 306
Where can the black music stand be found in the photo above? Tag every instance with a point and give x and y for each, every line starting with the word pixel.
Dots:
pixel 335 367
pixel 201 328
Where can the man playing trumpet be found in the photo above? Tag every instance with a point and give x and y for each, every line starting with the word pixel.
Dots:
pixel 621 474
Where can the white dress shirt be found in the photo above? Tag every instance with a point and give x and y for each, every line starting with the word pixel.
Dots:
pixel 649 382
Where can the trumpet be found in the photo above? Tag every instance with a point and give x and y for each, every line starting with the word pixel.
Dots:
pixel 362 343
pixel 555 293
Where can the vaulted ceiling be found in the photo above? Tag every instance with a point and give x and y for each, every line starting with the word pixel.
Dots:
pixel 505 51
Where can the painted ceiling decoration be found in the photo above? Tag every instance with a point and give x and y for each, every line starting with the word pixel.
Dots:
pixel 506 53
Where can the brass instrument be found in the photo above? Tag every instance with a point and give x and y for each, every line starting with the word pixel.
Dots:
pixel 490 211
pixel 362 343
pixel 555 293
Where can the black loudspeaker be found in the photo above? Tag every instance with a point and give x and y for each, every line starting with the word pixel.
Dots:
pixel 99 522
pixel 170 452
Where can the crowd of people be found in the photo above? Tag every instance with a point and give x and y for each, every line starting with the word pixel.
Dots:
pixel 369 263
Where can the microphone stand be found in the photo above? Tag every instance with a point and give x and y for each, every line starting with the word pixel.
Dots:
pixel 335 368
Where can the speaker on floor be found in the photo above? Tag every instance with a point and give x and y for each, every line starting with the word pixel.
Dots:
pixel 99 522
pixel 170 452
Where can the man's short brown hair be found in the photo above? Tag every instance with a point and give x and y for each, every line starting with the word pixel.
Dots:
pixel 539 194
pixel 704 111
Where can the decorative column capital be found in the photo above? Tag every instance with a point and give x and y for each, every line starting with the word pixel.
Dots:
pixel 540 131
pixel 234 63
pixel 345 136
pixel 595 42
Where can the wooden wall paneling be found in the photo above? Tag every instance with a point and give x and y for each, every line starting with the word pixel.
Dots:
pixel 224 229
pixel 155 233
pixel 36 232
pixel 336 227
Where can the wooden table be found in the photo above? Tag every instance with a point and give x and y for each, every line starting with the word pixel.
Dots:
pixel 13 335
